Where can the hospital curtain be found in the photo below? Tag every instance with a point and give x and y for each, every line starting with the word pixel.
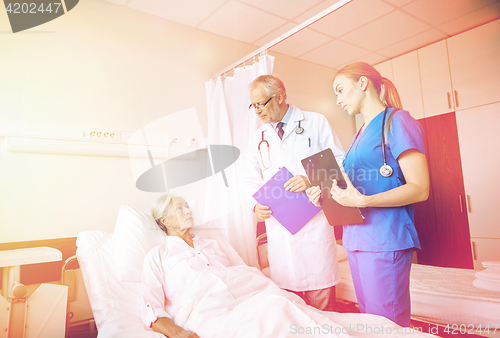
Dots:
pixel 230 122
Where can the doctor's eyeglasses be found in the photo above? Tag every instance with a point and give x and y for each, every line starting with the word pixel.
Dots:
pixel 260 105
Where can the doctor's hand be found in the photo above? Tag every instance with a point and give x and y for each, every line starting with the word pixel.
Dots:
pixel 314 193
pixel 262 211
pixel 348 197
pixel 297 183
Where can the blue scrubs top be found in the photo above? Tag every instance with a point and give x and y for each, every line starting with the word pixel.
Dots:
pixel 384 229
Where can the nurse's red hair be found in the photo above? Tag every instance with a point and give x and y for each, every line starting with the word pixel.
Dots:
pixel 358 69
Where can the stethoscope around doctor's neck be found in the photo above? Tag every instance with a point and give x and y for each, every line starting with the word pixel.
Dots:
pixel 299 130
pixel 385 170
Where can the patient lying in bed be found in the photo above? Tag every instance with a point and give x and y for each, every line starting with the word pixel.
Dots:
pixel 189 290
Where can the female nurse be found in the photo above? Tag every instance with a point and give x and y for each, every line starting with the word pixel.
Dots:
pixel 380 250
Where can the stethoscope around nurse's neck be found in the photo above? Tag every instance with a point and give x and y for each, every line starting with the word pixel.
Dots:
pixel 385 169
pixel 299 130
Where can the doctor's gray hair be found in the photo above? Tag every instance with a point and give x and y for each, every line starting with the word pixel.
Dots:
pixel 161 208
pixel 272 85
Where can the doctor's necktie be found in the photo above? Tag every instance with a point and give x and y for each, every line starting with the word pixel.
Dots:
pixel 280 130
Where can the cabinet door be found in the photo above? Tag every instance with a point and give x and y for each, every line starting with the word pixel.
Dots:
pixel 435 79
pixel 485 249
pixel 407 81
pixel 385 69
pixel 479 144
pixel 475 66
pixel 441 221
pixel 425 219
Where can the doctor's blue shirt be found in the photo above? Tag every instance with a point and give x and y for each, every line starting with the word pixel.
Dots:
pixel 384 228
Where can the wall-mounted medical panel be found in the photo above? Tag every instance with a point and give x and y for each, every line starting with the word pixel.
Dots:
pixel 42 130
pixel 94 141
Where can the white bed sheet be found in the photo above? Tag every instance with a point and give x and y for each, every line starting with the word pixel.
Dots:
pixel 115 304
pixel 440 295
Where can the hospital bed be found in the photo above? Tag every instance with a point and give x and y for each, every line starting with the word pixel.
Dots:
pixel 443 296
pixel 111 265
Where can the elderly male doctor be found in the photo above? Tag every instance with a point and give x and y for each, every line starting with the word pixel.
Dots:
pixel 304 263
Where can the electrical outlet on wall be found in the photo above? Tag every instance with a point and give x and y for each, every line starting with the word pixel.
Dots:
pixel 84 134
pixel 104 135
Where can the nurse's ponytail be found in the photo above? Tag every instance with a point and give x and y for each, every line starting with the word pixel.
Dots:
pixel 391 96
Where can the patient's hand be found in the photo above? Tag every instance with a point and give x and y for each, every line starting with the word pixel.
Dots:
pixel 168 328
pixel 186 334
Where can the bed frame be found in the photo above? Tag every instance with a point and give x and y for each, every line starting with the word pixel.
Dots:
pixel 443 297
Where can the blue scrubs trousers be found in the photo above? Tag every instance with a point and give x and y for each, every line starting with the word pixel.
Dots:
pixel 382 283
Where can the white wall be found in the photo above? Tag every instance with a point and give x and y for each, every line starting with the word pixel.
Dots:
pixel 101 65
pixel 310 87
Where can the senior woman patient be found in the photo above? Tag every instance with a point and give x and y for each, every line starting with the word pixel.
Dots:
pixel 162 277
pixel 190 290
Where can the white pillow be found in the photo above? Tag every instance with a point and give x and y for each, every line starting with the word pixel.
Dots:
pixel 341 253
pixel 489 273
pixel 135 234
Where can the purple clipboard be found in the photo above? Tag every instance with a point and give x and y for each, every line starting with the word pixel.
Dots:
pixel 292 209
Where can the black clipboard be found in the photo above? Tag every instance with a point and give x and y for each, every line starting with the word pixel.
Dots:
pixel 321 169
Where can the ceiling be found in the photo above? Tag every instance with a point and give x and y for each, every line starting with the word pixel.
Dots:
pixel 362 30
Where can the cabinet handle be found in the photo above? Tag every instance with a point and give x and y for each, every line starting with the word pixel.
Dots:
pixel 474 255
pixel 456 98
pixel 449 100
pixel 468 203
pixel 460 202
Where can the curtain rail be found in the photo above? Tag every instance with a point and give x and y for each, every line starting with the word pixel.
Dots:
pixel 286 35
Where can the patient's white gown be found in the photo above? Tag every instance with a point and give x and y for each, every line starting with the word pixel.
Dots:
pixel 199 290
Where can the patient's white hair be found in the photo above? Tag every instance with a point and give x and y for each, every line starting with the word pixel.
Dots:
pixel 161 209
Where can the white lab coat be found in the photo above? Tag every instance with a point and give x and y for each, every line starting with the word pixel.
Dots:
pixel 307 260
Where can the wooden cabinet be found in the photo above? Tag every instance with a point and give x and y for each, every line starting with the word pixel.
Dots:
pixel 485 249
pixel 474 58
pixel 462 75
pixel 407 81
pixel 453 74
pixel 435 78
pixel 441 221
pixel 458 224
pixel 479 141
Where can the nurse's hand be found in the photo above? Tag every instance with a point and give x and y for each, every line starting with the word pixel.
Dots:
pixel 262 211
pixel 297 183
pixel 314 193
pixel 348 197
